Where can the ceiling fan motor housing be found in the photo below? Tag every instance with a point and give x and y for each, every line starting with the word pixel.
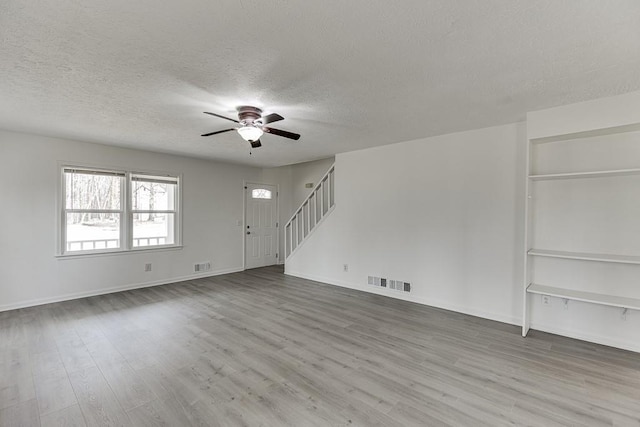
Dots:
pixel 247 114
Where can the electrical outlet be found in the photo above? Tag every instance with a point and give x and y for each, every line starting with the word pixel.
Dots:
pixel 345 268
pixel 147 267
pixel 546 300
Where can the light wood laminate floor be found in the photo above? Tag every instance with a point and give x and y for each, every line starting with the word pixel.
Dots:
pixel 260 348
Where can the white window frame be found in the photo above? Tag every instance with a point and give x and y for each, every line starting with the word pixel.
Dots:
pixel 126 211
pixel 175 211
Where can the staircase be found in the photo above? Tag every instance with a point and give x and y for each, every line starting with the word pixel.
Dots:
pixel 310 214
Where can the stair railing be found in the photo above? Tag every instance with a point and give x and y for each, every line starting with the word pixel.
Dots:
pixel 311 212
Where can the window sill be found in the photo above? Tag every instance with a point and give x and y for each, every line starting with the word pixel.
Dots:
pixel 119 252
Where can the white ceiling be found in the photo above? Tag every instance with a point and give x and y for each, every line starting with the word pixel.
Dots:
pixel 345 74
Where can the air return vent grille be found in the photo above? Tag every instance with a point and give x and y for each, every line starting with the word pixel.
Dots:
pixel 205 266
pixel 382 282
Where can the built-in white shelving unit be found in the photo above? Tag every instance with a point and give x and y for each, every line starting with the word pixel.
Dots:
pixel 582 213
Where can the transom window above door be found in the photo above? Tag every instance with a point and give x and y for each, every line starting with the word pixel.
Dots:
pixel 261 193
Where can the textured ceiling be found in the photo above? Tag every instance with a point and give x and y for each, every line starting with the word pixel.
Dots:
pixel 345 74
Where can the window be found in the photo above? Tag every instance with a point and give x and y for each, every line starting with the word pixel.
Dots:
pixel 99 217
pixel 153 209
pixel 93 210
pixel 261 193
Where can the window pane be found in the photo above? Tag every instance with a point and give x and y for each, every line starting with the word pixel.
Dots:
pixel 261 193
pixel 92 231
pixel 151 229
pixel 92 191
pixel 150 195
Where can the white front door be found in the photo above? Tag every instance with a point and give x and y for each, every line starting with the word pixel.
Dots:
pixel 261 221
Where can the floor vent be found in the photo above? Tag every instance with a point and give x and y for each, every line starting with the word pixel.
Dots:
pixel 205 266
pixel 382 282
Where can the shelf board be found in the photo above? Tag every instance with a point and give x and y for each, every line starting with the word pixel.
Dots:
pixel 592 174
pixel 602 299
pixel 584 256
pixel 633 127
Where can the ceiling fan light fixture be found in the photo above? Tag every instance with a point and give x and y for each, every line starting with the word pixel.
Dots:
pixel 250 133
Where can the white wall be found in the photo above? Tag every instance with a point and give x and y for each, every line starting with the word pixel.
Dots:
pixel 444 213
pixel 29 271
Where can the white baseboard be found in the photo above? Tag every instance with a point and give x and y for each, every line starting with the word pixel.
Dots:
pixel 428 302
pixel 93 293
pixel 584 336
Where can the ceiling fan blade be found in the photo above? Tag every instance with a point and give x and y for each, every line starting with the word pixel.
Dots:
pixel 283 133
pixel 222 117
pixel 217 132
pixel 255 144
pixel 270 118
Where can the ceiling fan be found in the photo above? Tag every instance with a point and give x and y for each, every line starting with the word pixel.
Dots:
pixel 252 125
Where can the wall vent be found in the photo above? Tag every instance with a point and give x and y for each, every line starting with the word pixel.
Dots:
pixel 382 282
pixel 205 266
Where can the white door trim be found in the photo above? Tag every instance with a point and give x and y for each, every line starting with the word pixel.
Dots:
pixel 244 220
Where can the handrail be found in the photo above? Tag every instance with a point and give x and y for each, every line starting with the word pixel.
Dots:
pixel 318 185
pixel 315 207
